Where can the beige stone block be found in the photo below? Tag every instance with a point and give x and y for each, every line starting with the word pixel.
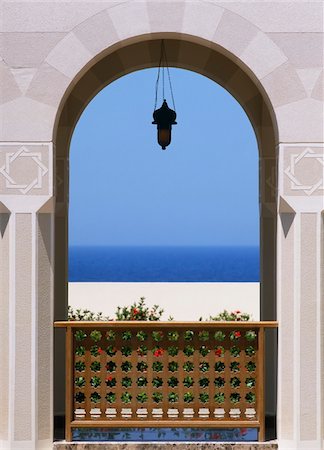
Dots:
pixel 234 33
pixel 25 169
pixel 309 78
pixel 69 56
pixel 27 49
pixel 301 121
pixel 280 16
pixel 9 89
pixel 23 77
pixel 283 85
pixel 35 119
pixel 302 49
pixel 97 33
pixel 165 18
pixel 39 87
pixel 130 19
pixel 201 19
pixel 262 56
pixel 48 16
pixel 318 91
pixel 303 168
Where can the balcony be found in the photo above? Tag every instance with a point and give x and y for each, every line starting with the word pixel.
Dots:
pixel 165 375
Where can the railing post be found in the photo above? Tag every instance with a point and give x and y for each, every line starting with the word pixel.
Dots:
pixel 261 384
pixel 68 385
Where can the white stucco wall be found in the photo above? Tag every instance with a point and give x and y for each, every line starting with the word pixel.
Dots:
pixel 183 301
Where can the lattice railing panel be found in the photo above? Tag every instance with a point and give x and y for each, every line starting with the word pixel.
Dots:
pixel 165 374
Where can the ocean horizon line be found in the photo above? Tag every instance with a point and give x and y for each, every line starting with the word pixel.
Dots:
pixel 160 246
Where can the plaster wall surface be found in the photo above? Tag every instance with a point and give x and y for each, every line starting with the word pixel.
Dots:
pixel 182 301
pixel 46 50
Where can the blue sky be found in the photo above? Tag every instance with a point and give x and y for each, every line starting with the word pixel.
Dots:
pixel 202 190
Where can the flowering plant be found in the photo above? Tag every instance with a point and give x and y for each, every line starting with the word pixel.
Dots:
pixel 203 335
pixel 173 335
pixel 173 366
pixel 235 335
pixel 126 351
pixel 141 335
pixel 95 381
pixel 95 397
pixel 157 366
pixel 139 311
pixel 188 381
pixel 189 335
pixel 219 382
pixel 126 382
pixel 189 350
pixel 142 350
pixel 142 397
pixel 173 382
pixel 219 351
pixel 95 335
pixel 158 352
pixel 204 397
pixel 85 314
pixel 250 335
pixel 219 397
pixel 80 335
pixel 141 366
pixel 126 366
pixel 157 382
pixel 204 350
pixel 233 316
pixel 111 381
pixel 157 336
pixel 157 397
pixel 95 366
pixel 110 335
pixel 126 397
pixel 204 382
pixel 141 381
pixel 188 397
pixel 204 366
pixel 173 351
pixel 173 397
pixel 80 366
pixel 219 336
pixel 188 366
pixel 111 397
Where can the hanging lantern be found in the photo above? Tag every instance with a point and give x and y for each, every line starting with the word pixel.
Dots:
pixel 164 117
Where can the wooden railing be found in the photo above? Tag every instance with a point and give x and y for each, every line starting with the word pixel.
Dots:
pixel 165 374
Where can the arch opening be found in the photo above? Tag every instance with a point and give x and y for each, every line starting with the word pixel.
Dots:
pixel 215 63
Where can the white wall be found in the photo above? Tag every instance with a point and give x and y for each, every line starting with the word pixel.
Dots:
pixel 183 301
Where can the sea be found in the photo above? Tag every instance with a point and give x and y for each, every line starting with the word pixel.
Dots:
pixel 163 264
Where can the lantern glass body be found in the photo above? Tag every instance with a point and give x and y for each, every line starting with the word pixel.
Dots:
pixel 164 137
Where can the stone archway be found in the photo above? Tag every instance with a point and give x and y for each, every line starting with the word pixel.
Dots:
pixel 215 63
pixel 99 42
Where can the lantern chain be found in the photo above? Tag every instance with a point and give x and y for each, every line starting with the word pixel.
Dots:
pixel 163 56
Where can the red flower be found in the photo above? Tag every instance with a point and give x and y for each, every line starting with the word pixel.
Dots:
pixel 218 352
pixel 158 352
pixel 109 378
pixel 237 312
pixel 237 334
pixel 100 350
pixel 135 311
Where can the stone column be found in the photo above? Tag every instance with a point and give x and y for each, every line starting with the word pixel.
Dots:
pixel 26 302
pixel 300 296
